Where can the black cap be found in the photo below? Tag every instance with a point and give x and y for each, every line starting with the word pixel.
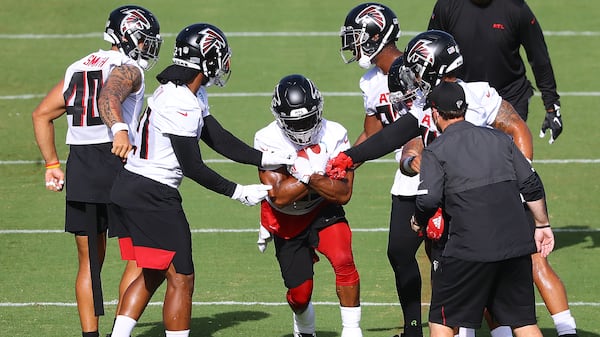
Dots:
pixel 448 96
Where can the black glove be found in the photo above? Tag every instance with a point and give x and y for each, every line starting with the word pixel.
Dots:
pixel 552 121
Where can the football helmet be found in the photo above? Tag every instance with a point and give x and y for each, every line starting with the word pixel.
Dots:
pixel 368 28
pixel 431 55
pixel 403 85
pixel 204 47
pixel 298 108
pixel 128 27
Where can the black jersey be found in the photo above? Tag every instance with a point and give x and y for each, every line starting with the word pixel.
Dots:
pixel 490 38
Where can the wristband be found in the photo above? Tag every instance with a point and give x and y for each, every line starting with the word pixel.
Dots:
pixel 53 165
pixel 406 166
pixel 544 226
pixel 119 127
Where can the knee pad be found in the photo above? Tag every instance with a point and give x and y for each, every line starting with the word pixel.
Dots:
pixel 299 297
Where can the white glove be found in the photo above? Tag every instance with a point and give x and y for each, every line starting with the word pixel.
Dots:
pixel 318 157
pixel 250 195
pixel 301 170
pixel 272 158
pixel 264 237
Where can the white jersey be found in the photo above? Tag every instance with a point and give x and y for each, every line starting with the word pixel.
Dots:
pixel 374 88
pixel 82 84
pixel 172 110
pixel 483 105
pixel 333 136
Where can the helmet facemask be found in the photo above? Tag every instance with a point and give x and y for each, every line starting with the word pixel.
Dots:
pixel 301 130
pixel 406 89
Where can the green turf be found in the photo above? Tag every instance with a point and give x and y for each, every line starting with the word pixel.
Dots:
pixel 37 270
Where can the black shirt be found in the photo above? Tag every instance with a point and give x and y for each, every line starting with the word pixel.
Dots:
pixel 489 39
pixel 476 174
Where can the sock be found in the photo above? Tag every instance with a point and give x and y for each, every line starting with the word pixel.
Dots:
pixel 305 322
pixel 90 334
pixel 564 323
pixel 502 331
pixel 123 326
pixel 467 332
pixel 180 333
pixel 351 321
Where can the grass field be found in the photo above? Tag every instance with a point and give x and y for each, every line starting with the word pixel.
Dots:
pixel 238 290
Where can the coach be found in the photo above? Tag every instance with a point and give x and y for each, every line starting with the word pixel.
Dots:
pixel 476 174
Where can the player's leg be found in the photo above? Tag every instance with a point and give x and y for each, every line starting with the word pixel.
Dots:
pixel 83 283
pixel 177 309
pixel 295 259
pixel 335 242
pixel 403 244
pixel 554 294
pixel 135 300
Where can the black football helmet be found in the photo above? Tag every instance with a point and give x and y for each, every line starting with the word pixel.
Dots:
pixel 368 28
pixel 298 108
pixel 129 26
pixel 204 47
pixel 403 85
pixel 431 55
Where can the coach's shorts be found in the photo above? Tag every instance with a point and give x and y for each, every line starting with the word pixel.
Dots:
pixel 462 289
pixel 81 218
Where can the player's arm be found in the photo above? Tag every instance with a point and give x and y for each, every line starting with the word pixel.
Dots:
pixel 385 141
pixel 509 121
pixel 285 188
pixel 333 190
pixel 49 109
pixel 121 82
pixel 228 145
pixel 410 160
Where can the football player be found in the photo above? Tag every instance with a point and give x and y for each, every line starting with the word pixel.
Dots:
pixel 165 150
pixel 432 57
pixel 303 210
pixel 369 36
pixel 133 32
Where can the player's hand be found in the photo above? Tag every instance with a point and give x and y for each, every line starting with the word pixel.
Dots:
pixel 317 156
pixel 272 158
pixel 55 179
pixel 301 169
pixel 435 226
pixel 337 167
pixel 121 145
pixel 264 237
pixel 552 121
pixel 251 195
pixel 544 240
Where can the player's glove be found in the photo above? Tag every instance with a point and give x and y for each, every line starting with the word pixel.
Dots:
pixel 317 156
pixel 301 170
pixel 250 195
pixel 552 121
pixel 272 158
pixel 435 226
pixel 336 167
pixel 264 237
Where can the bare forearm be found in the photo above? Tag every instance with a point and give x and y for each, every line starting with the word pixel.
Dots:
pixel 122 81
pixel 333 190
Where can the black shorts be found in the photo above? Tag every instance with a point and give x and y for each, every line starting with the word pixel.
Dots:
pixel 152 216
pixel 90 173
pixel 297 255
pixel 82 218
pixel 462 289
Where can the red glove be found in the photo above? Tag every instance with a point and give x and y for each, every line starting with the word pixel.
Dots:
pixel 435 226
pixel 336 167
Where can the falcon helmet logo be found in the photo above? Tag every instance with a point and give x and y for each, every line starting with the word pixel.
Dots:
pixel 421 53
pixel 134 20
pixel 211 39
pixel 373 13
